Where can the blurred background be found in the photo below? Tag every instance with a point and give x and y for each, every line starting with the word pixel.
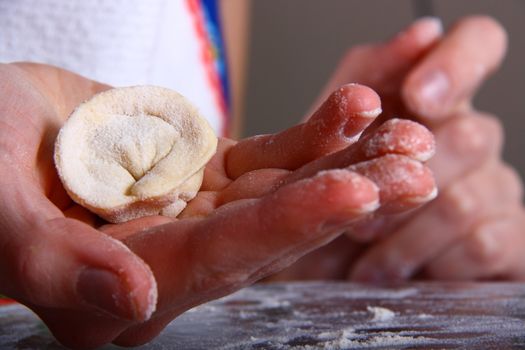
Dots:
pixel 295 45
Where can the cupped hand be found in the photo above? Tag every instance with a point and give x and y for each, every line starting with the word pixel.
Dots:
pixel 265 202
pixel 473 230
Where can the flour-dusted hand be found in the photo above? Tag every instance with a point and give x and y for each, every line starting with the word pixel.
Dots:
pixel 473 229
pixel 264 202
pixel 85 285
pixel 268 200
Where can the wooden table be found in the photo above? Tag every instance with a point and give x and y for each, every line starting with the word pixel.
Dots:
pixel 326 315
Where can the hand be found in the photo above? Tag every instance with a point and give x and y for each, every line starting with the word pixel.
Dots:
pixel 265 202
pixel 473 230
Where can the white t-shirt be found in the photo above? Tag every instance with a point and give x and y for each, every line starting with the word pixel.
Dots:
pixel 120 42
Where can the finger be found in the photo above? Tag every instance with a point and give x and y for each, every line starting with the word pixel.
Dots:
pixel 245 240
pixel 493 249
pixel 202 205
pixel 398 136
pixel 395 136
pixel 52 261
pixel 144 332
pixel 215 176
pixel 328 262
pixel 346 113
pixel 448 77
pixel 404 183
pixel 63 263
pixel 253 184
pixel 383 66
pixel 465 143
pixel 450 217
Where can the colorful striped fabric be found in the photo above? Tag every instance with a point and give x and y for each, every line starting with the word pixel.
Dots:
pixel 206 21
pixel 214 29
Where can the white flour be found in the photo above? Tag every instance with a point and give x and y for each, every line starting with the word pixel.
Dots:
pixel 380 314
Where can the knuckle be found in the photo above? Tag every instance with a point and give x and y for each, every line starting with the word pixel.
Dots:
pixel 466 136
pixel 28 272
pixel 483 249
pixel 457 202
pixel 511 180
pixel 493 130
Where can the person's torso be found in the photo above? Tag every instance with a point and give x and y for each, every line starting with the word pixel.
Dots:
pixel 171 43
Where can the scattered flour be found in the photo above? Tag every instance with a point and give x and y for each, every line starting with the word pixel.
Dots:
pixel 379 294
pixel 349 338
pixel 380 314
pixel 382 339
pixel 273 303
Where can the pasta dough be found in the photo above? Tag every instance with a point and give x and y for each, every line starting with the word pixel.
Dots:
pixel 134 151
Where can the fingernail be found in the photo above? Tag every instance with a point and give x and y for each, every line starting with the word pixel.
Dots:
pixel 424 199
pixel 343 223
pixel 104 290
pixel 433 95
pixel 430 28
pixel 354 126
pixel 362 211
pixel 350 134
pixel 372 114
pixel 488 238
pixel 368 207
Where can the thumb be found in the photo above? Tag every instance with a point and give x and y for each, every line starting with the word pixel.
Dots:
pixel 67 264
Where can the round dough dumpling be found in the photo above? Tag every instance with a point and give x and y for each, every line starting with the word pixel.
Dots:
pixel 133 152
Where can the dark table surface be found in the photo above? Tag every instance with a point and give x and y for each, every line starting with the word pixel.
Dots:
pixel 326 315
